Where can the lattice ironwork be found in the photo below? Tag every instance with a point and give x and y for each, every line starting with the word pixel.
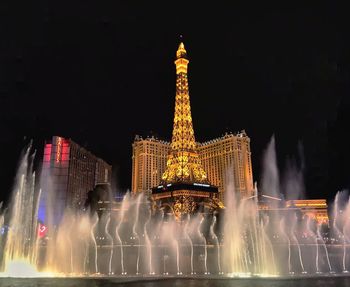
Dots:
pixel 183 163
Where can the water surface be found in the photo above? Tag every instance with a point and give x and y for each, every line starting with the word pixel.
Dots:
pixel 174 282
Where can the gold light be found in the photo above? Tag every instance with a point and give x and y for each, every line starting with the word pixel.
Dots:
pixel 59 147
pixel 183 162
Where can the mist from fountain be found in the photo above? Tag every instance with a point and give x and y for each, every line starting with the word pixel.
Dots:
pixel 312 234
pixel 20 242
pixel 346 234
pixel 135 239
pixel 187 236
pixel 284 233
pixel 319 236
pixel 270 183
pixel 93 237
pixel 176 247
pixel 111 242
pixel 135 234
pixel 294 221
pixel 148 244
pixel 204 244
pixel 217 244
pixel 120 220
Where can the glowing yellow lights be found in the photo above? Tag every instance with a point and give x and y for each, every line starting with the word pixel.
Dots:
pixel 307 202
pixel 183 163
pixel 313 208
pixel 310 204
pixel 59 148
pixel 250 275
pixel 181 51
pixel 181 61
pixel 181 65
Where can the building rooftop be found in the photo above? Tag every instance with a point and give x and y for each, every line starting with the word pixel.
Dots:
pixel 241 134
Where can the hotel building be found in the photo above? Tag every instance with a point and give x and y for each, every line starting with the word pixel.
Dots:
pixel 69 172
pixel 229 153
pixel 316 209
pixel 149 158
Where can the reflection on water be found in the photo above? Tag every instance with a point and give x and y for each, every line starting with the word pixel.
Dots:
pixel 173 282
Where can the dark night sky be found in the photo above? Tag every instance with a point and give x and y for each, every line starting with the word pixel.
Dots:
pixel 102 72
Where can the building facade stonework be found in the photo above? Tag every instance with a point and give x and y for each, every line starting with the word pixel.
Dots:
pixel 227 158
pixel 227 154
pixel 149 157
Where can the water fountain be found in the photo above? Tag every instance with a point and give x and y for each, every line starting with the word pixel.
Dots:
pixel 132 241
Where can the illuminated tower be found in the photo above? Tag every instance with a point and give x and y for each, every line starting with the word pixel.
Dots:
pixel 183 163
pixel 184 185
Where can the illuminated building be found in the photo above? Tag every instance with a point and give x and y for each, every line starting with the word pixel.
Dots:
pixel 316 209
pixel 313 208
pixel 229 153
pixel 149 157
pixel 209 163
pixel 69 172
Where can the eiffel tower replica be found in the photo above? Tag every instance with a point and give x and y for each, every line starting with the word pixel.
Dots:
pixel 184 188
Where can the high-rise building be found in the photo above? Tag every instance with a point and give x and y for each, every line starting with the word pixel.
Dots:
pixel 155 161
pixel 149 158
pixel 228 154
pixel 69 172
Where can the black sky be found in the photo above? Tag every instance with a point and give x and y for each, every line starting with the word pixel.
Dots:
pixel 102 72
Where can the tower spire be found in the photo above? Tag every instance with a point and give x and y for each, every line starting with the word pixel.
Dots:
pixel 183 162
